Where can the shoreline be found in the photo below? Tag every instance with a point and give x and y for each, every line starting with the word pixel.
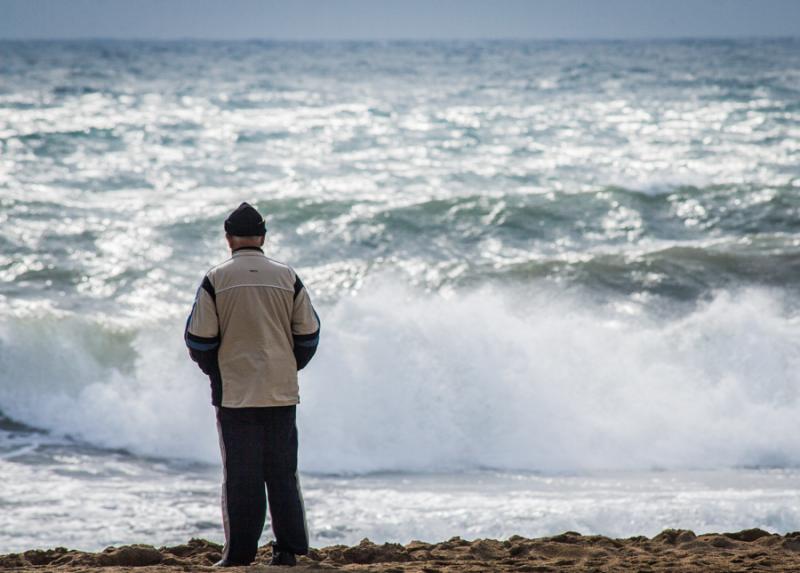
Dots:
pixel 671 550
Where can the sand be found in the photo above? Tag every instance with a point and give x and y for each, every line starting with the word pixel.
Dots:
pixel 677 551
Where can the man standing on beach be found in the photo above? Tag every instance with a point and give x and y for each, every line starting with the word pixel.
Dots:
pixel 252 327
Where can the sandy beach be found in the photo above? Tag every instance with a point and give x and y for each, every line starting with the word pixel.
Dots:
pixel 671 550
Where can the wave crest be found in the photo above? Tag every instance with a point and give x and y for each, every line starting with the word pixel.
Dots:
pixel 411 381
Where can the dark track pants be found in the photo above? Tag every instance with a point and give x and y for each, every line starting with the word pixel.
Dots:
pixel 259 446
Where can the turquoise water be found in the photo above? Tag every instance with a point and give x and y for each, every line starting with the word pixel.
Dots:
pixel 530 258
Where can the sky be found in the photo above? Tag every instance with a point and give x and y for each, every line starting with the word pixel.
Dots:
pixel 397 19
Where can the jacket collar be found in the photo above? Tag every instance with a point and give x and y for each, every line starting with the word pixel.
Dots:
pixel 247 251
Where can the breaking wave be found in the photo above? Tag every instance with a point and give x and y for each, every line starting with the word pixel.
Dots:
pixel 406 380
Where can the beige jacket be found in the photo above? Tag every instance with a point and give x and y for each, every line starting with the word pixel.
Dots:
pixel 252 327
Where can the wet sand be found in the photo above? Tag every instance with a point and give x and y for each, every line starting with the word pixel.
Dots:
pixel 676 551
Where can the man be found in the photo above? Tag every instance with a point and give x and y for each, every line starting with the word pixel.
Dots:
pixel 252 327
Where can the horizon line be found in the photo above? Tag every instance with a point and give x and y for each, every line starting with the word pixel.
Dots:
pixel 393 39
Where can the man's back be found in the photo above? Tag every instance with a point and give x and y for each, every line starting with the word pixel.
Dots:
pixel 260 305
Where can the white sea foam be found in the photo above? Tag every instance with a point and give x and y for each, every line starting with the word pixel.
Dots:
pixel 410 381
pixel 130 500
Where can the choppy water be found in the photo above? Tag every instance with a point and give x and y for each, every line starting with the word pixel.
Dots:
pixel 534 261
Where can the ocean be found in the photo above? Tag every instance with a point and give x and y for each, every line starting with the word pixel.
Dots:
pixel 558 282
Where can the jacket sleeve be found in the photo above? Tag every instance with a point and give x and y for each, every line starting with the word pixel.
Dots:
pixel 202 329
pixel 305 325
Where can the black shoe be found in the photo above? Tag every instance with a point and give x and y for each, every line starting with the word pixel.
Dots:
pixel 227 563
pixel 283 558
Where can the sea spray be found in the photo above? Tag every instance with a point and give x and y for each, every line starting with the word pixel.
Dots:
pixel 408 380
pixel 414 382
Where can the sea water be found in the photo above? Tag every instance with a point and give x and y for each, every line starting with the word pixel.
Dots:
pixel 558 282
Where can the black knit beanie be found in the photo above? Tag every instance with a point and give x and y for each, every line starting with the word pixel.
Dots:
pixel 245 221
